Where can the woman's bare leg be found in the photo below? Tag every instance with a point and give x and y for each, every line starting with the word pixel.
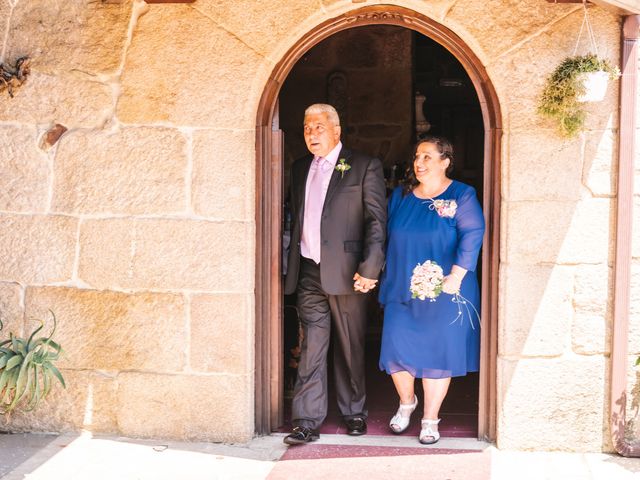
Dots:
pixel 435 389
pixel 404 383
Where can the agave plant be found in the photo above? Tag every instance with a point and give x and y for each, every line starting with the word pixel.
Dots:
pixel 27 369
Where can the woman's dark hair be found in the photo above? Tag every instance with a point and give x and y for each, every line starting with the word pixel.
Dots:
pixel 444 148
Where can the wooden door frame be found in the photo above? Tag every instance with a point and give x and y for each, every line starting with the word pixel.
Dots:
pixel 269 196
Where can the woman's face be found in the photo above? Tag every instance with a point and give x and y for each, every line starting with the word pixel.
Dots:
pixel 428 163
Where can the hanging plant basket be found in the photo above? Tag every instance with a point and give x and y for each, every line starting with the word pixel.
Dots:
pixel 594 84
pixel 576 80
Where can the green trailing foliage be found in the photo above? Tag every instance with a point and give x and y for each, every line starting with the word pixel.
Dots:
pixel 563 87
pixel 27 369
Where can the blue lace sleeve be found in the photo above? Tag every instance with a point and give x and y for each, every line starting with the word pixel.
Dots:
pixel 470 227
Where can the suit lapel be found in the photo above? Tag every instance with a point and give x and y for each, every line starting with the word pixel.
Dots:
pixel 336 176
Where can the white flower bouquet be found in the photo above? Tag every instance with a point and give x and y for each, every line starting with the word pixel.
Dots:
pixel 426 281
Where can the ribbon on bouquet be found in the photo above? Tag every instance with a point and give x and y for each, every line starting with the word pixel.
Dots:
pixel 463 305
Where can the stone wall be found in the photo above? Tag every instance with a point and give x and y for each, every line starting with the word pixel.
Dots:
pixel 137 227
pixel 557 238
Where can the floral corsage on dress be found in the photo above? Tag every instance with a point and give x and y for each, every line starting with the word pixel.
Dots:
pixel 444 208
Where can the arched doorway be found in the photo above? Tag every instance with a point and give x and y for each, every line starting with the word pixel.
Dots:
pixel 269 174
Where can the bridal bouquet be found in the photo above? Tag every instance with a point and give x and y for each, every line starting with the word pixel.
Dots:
pixel 426 281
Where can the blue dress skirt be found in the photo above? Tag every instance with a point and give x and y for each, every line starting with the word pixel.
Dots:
pixel 440 338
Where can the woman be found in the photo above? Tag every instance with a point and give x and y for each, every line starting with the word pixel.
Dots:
pixel 431 217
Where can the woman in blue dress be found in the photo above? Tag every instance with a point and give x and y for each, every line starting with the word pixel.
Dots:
pixel 431 217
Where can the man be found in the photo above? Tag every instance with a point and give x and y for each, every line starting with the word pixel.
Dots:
pixel 337 250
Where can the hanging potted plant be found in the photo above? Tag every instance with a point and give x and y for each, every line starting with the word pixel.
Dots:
pixel 576 80
pixel 27 369
pixel 594 84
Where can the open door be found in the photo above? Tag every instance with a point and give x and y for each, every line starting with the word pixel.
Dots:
pixel 275 314
pixel 268 279
pixel 271 162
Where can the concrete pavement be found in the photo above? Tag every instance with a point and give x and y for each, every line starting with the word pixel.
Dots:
pixel 83 456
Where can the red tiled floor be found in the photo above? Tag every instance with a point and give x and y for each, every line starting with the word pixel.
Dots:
pixel 311 451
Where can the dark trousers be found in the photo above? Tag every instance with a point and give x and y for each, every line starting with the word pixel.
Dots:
pixel 319 313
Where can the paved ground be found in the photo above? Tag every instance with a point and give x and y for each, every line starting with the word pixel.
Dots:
pixel 16 448
pixel 80 457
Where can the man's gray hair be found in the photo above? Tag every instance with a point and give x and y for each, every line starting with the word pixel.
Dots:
pixel 318 108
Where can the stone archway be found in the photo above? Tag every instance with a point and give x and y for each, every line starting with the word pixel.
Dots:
pixel 268 377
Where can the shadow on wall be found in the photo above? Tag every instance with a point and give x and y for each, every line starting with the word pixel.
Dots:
pixel 556 288
pixel 633 406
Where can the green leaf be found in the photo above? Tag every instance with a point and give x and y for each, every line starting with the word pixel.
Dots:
pixel 34 390
pixel 23 378
pixel 45 342
pixel 50 357
pixel 19 346
pixel 4 359
pixel 29 345
pixel 4 380
pixel 11 386
pixel 56 372
pixel 46 382
pixel 14 361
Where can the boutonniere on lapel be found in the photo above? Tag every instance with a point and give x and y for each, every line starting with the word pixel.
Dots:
pixel 342 166
pixel 444 208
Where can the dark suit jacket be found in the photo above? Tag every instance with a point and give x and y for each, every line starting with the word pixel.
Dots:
pixel 353 223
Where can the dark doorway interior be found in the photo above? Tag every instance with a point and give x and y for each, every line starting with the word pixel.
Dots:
pixel 390 85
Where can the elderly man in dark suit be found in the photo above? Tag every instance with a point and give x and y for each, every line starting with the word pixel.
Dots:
pixel 337 251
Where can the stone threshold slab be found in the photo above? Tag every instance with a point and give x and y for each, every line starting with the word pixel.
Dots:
pixel 400 441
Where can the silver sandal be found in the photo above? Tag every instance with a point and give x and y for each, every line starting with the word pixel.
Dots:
pixel 399 423
pixel 428 435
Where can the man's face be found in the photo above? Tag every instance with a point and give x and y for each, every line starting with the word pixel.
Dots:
pixel 320 134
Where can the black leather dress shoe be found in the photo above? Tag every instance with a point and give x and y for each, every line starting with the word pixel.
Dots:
pixel 356 426
pixel 300 435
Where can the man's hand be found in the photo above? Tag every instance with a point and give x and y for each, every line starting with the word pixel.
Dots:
pixel 362 284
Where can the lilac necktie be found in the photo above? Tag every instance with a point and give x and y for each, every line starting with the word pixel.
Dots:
pixel 313 211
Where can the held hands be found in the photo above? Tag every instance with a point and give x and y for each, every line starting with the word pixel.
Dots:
pixel 362 284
